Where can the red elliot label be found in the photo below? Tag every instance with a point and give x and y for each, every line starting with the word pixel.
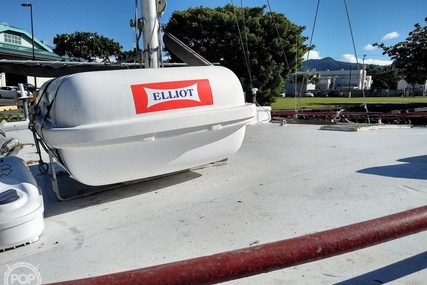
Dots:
pixel 152 97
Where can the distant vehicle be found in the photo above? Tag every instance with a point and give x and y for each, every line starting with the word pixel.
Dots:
pixel 321 94
pixel 282 95
pixel 335 93
pixel 307 94
pixel 8 92
pixel 29 87
pixel 28 91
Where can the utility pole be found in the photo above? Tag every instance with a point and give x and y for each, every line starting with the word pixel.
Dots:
pixel 363 73
pixel 32 34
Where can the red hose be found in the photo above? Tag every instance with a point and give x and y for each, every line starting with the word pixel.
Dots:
pixel 272 256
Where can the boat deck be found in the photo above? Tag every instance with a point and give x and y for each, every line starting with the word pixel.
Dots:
pixel 285 181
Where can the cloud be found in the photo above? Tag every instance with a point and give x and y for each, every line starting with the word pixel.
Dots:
pixel 313 54
pixel 369 47
pixel 352 59
pixel 390 36
pixel 378 61
pixel 348 58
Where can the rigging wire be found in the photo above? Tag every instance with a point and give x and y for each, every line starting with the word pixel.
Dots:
pixel 314 27
pixel 297 103
pixel 278 35
pixel 137 36
pixel 310 44
pixel 297 98
pixel 357 60
pixel 245 49
pixel 311 38
pixel 246 43
pixel 159 47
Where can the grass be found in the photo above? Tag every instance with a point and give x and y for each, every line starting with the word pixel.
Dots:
pixel 328 103
pixel 12 116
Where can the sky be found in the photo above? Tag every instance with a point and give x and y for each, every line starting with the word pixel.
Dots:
pixel 371 21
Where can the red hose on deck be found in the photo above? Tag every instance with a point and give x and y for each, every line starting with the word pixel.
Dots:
pixel 272 256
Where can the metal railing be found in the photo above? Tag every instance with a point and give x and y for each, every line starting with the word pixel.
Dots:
pixel 264 258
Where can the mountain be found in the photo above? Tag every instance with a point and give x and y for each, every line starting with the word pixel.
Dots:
pixel 327 63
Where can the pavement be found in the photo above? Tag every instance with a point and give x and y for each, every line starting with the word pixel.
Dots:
pixel 286 181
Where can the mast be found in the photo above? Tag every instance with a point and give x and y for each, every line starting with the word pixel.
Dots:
pixel 152 48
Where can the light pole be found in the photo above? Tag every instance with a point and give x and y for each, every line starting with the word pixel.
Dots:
pixel 363 74
pixel 32 25
pixel 32 32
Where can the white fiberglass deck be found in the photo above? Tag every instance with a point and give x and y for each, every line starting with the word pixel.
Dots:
pixel 285 181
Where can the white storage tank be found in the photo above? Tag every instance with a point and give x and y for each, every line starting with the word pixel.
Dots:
pixel 114 126
pixel 21 204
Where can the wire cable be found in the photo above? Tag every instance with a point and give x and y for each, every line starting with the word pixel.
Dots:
pixel 244 49
pixel 357 60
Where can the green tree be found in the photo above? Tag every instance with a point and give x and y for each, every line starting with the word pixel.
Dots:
pixel 85 45
pixel 410 56
pixel 385 77
pixel 260 48
pixel 130 56
pixel 304 78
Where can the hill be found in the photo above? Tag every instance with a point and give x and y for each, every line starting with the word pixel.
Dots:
pixel 327 63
